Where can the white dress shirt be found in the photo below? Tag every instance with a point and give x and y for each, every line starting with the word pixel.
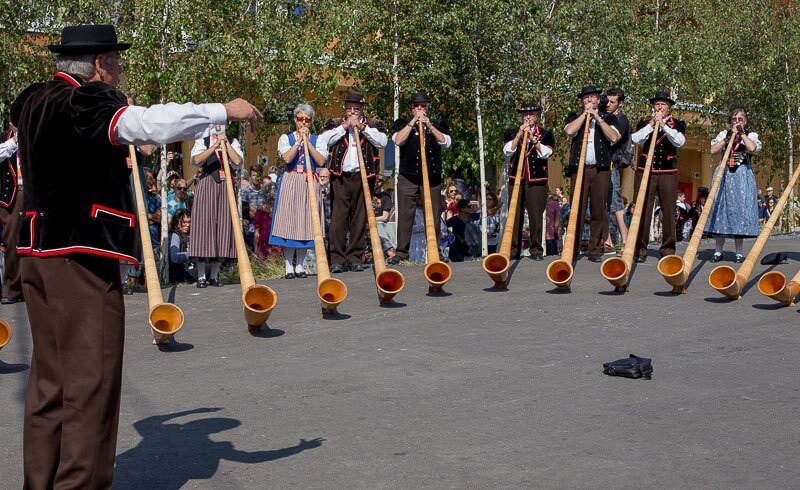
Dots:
pixel 167 123
pixel 720 137
pixel 332 136
pixel 542 151
pixel 7 148
pixel 200 146
pixel 673 135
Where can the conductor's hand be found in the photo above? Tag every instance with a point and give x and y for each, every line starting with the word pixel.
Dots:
pixel 241 110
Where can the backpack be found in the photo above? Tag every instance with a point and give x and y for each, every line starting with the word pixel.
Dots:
pixel 472 239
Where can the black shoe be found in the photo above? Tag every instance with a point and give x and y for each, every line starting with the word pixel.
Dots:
pixel 301 275
pixel 393 261
pixel 7 300
pixel 595 258
pixel 716 257
pixel 215 282
pixel 289 275
pixel 125 290
pixel 537 257
pixel 640 259
pixel 337 268
pixel 738 259
pixel 202 283
pixel 356 267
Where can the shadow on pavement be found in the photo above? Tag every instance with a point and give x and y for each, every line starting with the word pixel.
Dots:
pixel 6 368
pixel 268 333
pixel 171 454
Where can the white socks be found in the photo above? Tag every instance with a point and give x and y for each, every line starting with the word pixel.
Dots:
pixel 214 274
pixel 201 270
pixel 288 254
pixel 301 257
pixel 720 243
pixel 738 242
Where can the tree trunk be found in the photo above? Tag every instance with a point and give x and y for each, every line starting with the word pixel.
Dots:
pixel 484 241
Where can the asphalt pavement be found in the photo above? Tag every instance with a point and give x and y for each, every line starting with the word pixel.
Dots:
pixel 473 388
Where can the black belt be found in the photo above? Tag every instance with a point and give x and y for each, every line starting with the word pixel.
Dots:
pixel 350 173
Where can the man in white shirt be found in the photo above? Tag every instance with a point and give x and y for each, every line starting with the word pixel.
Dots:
pixel 348 214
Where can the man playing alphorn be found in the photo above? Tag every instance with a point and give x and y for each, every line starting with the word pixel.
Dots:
pixel 663 180
pixel 602 135
pixel 533 190
pixel 348 214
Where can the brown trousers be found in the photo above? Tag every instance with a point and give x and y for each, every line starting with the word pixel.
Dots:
pixel 595 189
pixel 77 317
pixel 12 284
pixel 533 197
pixel 665 186
pixel 348 214
pixel 409 189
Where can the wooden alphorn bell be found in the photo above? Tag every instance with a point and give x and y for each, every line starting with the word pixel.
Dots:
pixel 5 333
pixel 730 282
pixel 617 270
pixel 388 281
pixel 165 318
pixel 436 272
pixel 330 291
pixel 497 264
pixel 258 301
pixel 560 271
pixel 676 269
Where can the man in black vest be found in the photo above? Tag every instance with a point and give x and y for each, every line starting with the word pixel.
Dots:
pixel 409 181
pixel 596 173
pixel 533 188
pixel 348 214
pixel 79 223
pixel 663 180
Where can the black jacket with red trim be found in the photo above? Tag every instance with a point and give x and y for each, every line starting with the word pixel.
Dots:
pixel 338 151
pixel 78 197
pixel 665 157
pixel 536 170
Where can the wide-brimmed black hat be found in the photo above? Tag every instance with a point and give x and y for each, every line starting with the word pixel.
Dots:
pixel 354 97
pixel 88 39
pixel 529 107
pixel 589 89
pixel 662 96
pixel 420 98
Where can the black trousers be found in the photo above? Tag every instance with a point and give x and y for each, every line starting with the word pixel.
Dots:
pixel 348 216
pixel 77 319
pixel 409 189
pixel 12 284
pixel 665 186
pixel 533 197
pixel 595 189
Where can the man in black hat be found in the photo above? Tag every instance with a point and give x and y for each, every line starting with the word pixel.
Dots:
pixel 348 214
pixel 79 223
pixel 533 188
pixel 663 181
pixel 409 181
pixel 602 135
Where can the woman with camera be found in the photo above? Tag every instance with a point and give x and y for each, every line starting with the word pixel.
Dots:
pixel 291 224
pixel 734 212
pixel 211 240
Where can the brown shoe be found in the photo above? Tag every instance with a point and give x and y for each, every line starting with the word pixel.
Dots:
pixel 608 249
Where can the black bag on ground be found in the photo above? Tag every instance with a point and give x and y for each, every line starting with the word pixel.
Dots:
pixel 634 367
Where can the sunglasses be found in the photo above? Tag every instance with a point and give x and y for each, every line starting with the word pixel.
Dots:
pixel 303 119
pixel 422 106
pixel 452 192
pixel 180 188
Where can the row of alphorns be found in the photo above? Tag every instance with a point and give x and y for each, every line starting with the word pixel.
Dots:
pixel 258 300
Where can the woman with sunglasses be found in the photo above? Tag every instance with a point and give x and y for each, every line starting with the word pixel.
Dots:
pixel 734 212
pixel 211 240
pixel 291 223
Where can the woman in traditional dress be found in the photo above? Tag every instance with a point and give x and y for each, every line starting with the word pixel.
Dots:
pixel 211 240
pixel 291 223
pixel 735 209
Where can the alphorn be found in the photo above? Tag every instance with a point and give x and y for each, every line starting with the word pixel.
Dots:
pixel 258 301
pixel 165 318
pixel 676 269
pixel 5 333
pixel 560 271
pixel 388 281
pixel 436 272
pixel 617 270
pixel 730 282
pixel 773 285
pixel 330 291
pixel 497 264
